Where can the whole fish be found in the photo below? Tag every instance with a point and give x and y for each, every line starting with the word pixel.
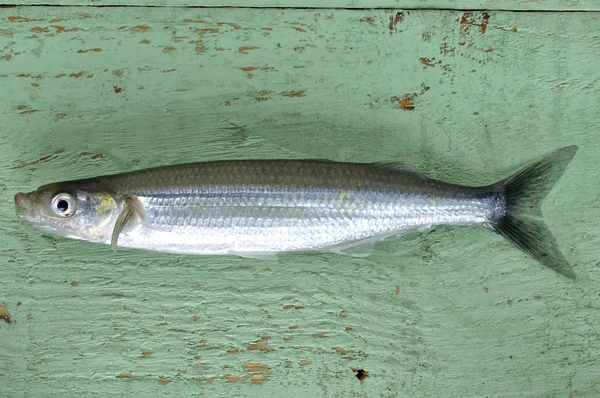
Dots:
pixel 261 208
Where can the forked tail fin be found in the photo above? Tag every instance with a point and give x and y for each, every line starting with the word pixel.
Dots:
pixel 521 221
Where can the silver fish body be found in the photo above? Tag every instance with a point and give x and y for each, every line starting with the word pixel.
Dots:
pixel 257 208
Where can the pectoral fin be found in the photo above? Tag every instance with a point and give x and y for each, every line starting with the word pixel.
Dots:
pixel 131 216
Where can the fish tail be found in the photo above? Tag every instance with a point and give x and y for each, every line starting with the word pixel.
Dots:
pixel 521 220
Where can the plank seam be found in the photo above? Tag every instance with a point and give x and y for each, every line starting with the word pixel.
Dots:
pixel 298 8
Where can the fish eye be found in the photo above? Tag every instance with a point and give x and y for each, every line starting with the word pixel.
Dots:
pixel 63 205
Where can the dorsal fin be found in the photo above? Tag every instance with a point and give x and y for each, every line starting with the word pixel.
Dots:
pixel 406 166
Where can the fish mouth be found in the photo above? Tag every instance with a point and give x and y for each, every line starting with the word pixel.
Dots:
pixel 24 208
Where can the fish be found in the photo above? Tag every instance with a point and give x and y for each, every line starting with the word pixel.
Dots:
pixel 261 208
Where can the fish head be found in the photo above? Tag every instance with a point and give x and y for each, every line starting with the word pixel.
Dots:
pixel 69 211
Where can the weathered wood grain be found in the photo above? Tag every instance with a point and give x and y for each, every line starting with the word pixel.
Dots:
pixel 474 5
pixel 470 96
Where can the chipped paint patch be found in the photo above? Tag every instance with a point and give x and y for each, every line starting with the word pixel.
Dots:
pixel 394 20
pixel 96 50
pixel 258 379
pixel 368 20
pixel 18 18
pixel 168 49
pixel 146 353
pixel 188 20
pixel 5 316
pixel 405 103
pixel 139 28
pixel 302 48
pixel 293 94
pixel 76 75
pixel 118 72
pixel 232 378
pixel 259 346
pixel 39 29
pixel 320 335
pixel 233 25
pixel 468 19
pixel 207 30
pixel 245 49
pixel 42 159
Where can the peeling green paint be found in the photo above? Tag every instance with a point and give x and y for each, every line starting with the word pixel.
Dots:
pixel 89 91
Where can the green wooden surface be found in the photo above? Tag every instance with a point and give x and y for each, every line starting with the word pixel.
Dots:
pixel 455 312
pixel 534 5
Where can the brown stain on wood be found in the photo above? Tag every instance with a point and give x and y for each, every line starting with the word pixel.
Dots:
pixel 299 30
pixel 368 20
pixel 233 351
pixel 5 316
pixel 245 49
pixel 61 115
pixel 118 72
pixel 164 380
pixel 348 328
pixel 200 48
pixel 39 29
pixel 293 327
pixel 293 94
pixel 145 41
pixel 397 290
pixel 76 75
pixel 248 68
pixel 74 283
pixel 188 20
pixel 146 353
pixel 126 375
pixel 21 107
pixel 168 49
pixel 29 111
pixel 35 84
pixel 288 338
pixel 7 57
pixel 57 19
pixel 304 362
pixel 321 335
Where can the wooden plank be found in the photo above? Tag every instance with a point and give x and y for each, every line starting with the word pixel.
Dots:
pixel 469 96
pixel 473 5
